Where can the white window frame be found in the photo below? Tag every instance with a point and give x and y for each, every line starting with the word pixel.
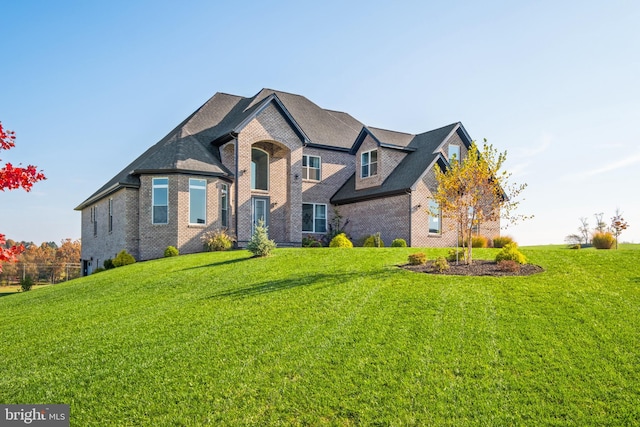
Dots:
pixel 224 205
pixel 306 169
pixel 433 205
pixel 368 163
pixel 313 220
pixel 254 178
pixel 459 152
pixel 153 197
pixel 194 187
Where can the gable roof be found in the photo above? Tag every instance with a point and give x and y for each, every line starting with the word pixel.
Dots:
pixel 424 152
pixel 193 145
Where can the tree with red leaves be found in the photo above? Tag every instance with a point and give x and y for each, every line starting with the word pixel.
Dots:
pixel 12 178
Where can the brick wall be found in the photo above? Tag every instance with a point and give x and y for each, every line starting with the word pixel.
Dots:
pixel 105 244
pixel 390 216
pixel 336 168
pixel 270 132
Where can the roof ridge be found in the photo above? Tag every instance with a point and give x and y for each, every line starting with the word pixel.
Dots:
pixel 390 130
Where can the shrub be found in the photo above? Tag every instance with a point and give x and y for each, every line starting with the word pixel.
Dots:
pixel 440 265
pixel 108 264
pixel 26 284
pixel 171 251
pixel 603 240
pixel 479 242
pixel 218 240
pixel 399 243
pixel 373 241
pixel 455 255
pixel 341 241
pixel 260 245
pixel 99 269
pixel 123 258
pixel 500 241
pixel 509 266
pixel 510 252
pixel 418 258
pixel 311 242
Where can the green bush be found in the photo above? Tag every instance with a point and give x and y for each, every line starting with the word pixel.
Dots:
pixel 373 241
pixel 341 241
pixel 509 266
pixel 603 240
pixel 510 252
pixel 99 269
pixel 171 251
pixel 218 240
pixel 418 258
pixel 500 241
pixel 455 255
pixel 108 264
pixel 399 243
pixel 440 265
pixel 26 284
pixel 123 258
pixel 260 245
pixel 311 242
pixel 479 242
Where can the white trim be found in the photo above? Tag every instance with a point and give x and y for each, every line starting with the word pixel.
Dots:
pixel 314 218
pixel 369 163
pixel 268 167
pixel 199 188
pixel 309 168
pixel 153 196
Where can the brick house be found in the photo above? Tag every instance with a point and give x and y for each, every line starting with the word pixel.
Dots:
pixel 275 156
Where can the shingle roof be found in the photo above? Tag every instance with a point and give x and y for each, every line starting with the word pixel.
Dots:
pixel 407 173
pixel 193 145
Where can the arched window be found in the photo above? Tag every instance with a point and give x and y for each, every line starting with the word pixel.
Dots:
pixel 259 169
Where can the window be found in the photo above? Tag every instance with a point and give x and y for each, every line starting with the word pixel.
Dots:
pixel 94 220
pixel 224 205
pixel 160 200
pixel 454 152
pixel 197 201
pixel 259 169
pixel 311 168
pixel 314 218
pixel 110 215
pixel 369 163
pixel 434 218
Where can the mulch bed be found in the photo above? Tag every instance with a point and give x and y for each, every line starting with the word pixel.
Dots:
pixel 478 268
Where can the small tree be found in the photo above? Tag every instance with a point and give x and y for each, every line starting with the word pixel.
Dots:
pixel 475 190
pixel 601 226
pixel 260 245
pixel 618 225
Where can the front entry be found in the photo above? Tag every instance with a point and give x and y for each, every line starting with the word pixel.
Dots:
pixel 259 211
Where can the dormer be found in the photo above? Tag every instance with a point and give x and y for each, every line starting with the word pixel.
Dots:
pixel 375 159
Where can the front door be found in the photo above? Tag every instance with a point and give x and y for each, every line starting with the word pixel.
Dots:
pixel 259 211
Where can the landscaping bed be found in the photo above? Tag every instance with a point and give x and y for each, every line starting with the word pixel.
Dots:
pixel 478 268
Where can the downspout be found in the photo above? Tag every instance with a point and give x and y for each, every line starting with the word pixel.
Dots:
pixel 235 196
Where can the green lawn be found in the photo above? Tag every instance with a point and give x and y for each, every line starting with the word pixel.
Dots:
pixel 332 337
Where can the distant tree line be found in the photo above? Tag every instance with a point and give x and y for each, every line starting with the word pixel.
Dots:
pixel 46 262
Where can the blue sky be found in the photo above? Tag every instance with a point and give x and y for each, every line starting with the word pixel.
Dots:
pixel 88 86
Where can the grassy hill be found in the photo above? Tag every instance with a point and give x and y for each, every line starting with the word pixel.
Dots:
pixel 332 337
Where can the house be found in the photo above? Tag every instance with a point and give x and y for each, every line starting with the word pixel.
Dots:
pixel 279 157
